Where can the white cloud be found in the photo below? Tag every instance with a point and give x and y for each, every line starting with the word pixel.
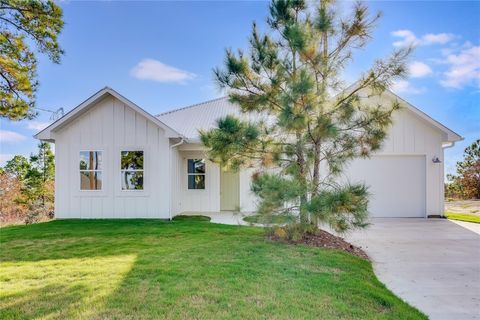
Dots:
pixel 10 136
pixel 150 69
pixel 419 69
pixel 464 69
pixel 439 38
pixel 4 158
pixel 408 38
pixel 403 86
pixel 37 125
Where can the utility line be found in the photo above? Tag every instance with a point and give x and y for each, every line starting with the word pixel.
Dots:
pixel 54 115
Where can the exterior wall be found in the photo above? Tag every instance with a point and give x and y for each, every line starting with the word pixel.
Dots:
pixel 410 135
pixel 247 198
pixel 207 200
pixel 110 127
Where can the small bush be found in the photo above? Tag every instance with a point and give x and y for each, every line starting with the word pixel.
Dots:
pixel 291 232
pixel 280 233
pixel 191 218
pixel 294 231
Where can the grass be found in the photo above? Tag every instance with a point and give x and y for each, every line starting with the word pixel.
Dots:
pixel 463 217
pixel 257 218
pixel 185 269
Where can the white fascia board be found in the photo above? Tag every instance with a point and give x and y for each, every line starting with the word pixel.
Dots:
pixel 451 136
pixel 47 134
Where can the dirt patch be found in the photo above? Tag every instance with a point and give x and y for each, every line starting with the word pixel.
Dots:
pixel 323 239
pixel 463 206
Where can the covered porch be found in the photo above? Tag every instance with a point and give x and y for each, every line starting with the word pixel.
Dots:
pixel 201 186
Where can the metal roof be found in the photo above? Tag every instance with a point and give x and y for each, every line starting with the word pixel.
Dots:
pixel 188 120
pixel 185 122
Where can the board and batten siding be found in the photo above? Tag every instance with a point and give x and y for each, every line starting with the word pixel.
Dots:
pixel 198 200
pixel 207 200
pixel 111 126
pixel 411 136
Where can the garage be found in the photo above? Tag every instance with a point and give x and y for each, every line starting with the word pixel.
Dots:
pixel 396 184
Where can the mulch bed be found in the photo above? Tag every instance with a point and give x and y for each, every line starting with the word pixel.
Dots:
pixel 323 239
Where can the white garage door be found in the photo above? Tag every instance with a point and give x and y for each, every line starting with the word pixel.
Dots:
pixel 397 184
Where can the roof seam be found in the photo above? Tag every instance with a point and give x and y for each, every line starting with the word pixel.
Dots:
pixel 189 106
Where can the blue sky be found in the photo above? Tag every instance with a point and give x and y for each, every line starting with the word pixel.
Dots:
pixel 161 54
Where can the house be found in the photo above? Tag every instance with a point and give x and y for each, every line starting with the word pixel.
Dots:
pixel 115 160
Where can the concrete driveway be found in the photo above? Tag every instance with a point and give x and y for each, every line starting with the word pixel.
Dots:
pixel 433 264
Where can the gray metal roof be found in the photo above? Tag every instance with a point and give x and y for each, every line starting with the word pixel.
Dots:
pixel 188 120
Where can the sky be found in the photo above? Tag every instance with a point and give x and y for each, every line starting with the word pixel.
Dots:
pixel 160 55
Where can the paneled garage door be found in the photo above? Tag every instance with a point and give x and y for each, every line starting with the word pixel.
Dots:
pixel 397 184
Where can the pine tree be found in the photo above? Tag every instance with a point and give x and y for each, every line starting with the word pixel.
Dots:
pixel 24 23
pixel 308 126
pixel 39 178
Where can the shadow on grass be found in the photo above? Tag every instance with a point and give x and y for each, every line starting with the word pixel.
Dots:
pixel 51 301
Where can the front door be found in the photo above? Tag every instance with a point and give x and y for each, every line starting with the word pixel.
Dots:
pixel 229 191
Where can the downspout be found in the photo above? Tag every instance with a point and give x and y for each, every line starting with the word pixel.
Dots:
pixel 449 144
pixel 182 140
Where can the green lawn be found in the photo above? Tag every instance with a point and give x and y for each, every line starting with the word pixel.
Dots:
pixel 463 217
pixel 148 269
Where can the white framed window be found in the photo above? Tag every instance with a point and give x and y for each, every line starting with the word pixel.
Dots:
pixel 196 174
pixel 132 170
pixel 90 166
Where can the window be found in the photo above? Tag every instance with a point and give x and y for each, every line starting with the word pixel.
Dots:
pixel 196 173
pixel 90 170
pixel 132 170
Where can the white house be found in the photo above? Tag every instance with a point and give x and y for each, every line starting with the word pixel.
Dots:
pixel 115 160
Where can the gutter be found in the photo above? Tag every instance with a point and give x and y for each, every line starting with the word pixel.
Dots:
pixel 450 144
pixel 182 140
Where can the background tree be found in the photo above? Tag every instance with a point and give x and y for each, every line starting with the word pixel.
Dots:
pixel 12 208
pixel 23 22
pixel 465 184
pixel 307 126
pixel 28 184
pixel 41 173
pixel 19 167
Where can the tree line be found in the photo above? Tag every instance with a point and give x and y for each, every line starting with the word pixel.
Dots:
pixel 27 187
pixel 465 183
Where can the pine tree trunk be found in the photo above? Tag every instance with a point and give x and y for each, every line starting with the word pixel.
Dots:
pixel 316 167
pixel 302 176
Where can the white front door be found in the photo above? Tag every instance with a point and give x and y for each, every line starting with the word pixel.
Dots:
pixel 229 191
